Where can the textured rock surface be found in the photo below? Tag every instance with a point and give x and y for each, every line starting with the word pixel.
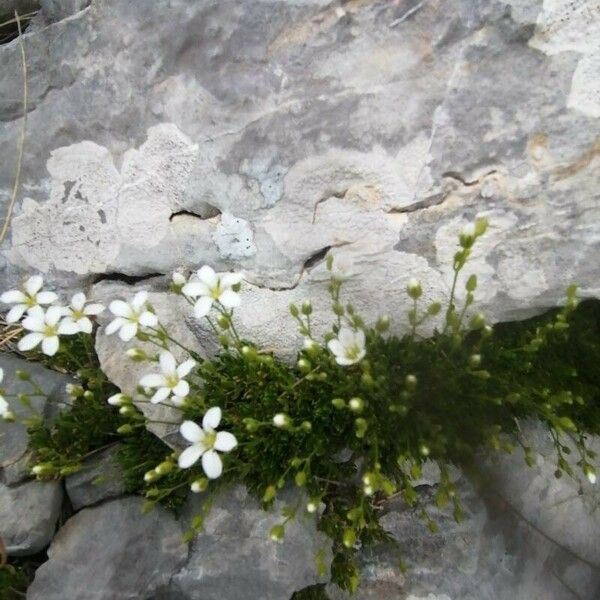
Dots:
pixel 28 515
pixel 111 552
pixel 235 558
pixel 526 535
pixel 100 478
pixel 13 436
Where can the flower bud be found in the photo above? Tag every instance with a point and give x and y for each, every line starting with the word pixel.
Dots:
pixel 414 288
pixel 125 429
pixel 356 405
pixel 349 538
pixel 88 395
pixel 127 410
pixel 151 476
pixel 360 427
pixel 306 308
pixel 137 354
pixel 424 450
pixel 251 424
pixel 178 280
pixel 164 467
pixel 383 324
pixel 223 322
pixel 338 309
pixel 306 426
pixel 474 360
pixel 410 382
pixel 312 506
pixel 199 485
pixel 294 310
pixel 277 533
pixel 118 399
pixel 590 473
pixel 304 365
pixel 281 420
pixel 43 470
pixel 339 403
pixel 74 390
pixel 300 478
pixel 477 321
pixel 9 416
pixel 269 493
pixel 23 375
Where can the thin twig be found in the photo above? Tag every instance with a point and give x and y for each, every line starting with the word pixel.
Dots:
pixel 23 130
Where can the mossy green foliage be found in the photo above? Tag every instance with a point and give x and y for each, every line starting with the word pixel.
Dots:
pixel 314 592
pixel 17 574
pixel 352 436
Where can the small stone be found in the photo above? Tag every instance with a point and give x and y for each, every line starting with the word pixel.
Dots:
pixel 110 552
pixel 100 478
pixel 28 515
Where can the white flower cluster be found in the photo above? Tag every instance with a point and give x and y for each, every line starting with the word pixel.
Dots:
pixel 44 319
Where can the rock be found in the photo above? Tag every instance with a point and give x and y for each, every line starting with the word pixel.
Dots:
pixel 111 552
pixel 28 515
pixel 525 535
pixel 55 10
pixel 13 436
pixel 101 478
pixel 235 558
pixel 287 113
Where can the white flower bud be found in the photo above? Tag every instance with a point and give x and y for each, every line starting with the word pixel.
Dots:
pixel 468 230
pixel 118 399
pixel 179 279
pixel 281 420
pixel 311 506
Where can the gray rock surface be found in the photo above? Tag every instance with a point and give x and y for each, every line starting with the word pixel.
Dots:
pixel 13 436
pixel 28 515
pixel 235 558
pixel 100 478
pixel 526 536
pixel 111 552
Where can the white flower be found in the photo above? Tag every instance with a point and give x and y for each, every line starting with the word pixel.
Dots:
pixel 118 399
pixel 342 267
pixel 27 299
pixel 205 443
pixel 4 408
pixel 170 381
pixel 210 287
pixel 45 328
pixel 130 316
pixel 179 279
pixel 468 230
pixel 281 420
pixel 80 313
pixel 349 347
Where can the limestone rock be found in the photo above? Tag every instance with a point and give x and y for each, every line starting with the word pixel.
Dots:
pixel 111 552
pixel 28 515
pixel 99 479
pixel 13 436
pixel 235 558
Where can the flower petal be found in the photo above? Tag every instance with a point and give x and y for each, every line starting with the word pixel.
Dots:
pixel 346 336
pixel 128 331
pixel 13 296
pixel 230 299
pixel 93 309
pixel 335 347
pixel 191 431
pixel 225 441
pixel 208 276
pixel 212 418
pixel 148 319
pixel 167 363
pixel 359 338
pixel 78 301
pixel 153 380
pixel 229 279
pixel 50 345
pixel 120 309
pixel 53 314
pixel 1 374
pixel 84 324
pixel 182 388
pixel 185 367
pixel 69 327
pixel 160 395
pixel 3 406
pixel 139 300
pixel 33 285
pixel 15 313
pixel 114 325
pixel 190 456
pixel 202 306
pixel 46 297
pixel 212 464
pixel 193 289
pixel 34 323
pixel 29 341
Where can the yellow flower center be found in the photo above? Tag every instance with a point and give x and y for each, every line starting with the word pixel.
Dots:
pixel 172 381
pixel 209 439
pixel 352 351
pixel 31 301
pixel 216 291
pixel 50 331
